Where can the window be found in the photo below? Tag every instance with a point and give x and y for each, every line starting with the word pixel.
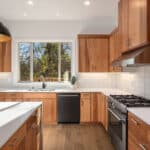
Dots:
pixel 45 61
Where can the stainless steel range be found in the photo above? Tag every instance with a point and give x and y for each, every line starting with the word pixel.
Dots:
pixel 117 117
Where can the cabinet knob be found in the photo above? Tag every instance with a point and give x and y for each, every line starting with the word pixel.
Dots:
pixel 135 122
pixel 142 146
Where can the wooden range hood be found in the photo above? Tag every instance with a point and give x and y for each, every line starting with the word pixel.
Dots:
pixel 134 58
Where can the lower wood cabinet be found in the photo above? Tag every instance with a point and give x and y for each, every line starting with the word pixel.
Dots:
pixel 28 136
pixel 85 107
pixel 138 134
pixel 93 108
pixel 48 99
pixel 49 105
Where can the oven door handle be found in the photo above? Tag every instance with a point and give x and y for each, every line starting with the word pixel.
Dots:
pixel 114 114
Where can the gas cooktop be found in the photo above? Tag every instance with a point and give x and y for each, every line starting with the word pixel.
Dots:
pixel 131 100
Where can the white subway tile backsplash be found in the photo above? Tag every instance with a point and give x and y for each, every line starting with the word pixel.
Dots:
pixel 135 80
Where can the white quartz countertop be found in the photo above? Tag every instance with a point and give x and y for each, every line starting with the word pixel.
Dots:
pixel 106 91
pixel 142 113
pixel 11 119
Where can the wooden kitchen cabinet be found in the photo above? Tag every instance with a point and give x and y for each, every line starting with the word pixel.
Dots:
pixel 49 105
pixel 5 54
pixel 114 50
pixel 93 53
pixel 138 133
pixel 85 107
pixel 93 108
pixel 134 23
pixel 26 137
pixel 104 111
pixel 123 25
pixel 138 22
pixel 48 99
pixel 96 107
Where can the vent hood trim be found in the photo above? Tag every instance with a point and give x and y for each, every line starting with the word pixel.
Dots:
pixel 128 59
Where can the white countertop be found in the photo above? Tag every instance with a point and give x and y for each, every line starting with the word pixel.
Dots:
pixel 106 91
pixel 142 113
pixel 11 119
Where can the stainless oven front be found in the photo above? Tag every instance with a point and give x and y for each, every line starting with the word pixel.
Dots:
pixel 117 128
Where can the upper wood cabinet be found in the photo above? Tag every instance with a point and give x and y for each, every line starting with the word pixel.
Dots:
pixel 123 25
pixel 5 54
pixel 93 53
pixel 138 21
pixel 134 23
pixel 114 50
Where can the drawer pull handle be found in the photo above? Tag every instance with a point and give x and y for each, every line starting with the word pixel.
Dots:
pixel 134 121
pixel 142 146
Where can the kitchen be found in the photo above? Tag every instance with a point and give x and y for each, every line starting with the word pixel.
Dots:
pixel 74 75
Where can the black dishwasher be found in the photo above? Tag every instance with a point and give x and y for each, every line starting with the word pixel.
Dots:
pixel 68 107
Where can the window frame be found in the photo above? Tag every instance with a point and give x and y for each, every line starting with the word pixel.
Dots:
pixel 73 54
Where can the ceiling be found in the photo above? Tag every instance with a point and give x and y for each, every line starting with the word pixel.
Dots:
pixel 57 10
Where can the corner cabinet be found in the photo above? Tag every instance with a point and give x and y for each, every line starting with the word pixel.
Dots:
pixel 134 22
pixel 93 53
pixel 5 53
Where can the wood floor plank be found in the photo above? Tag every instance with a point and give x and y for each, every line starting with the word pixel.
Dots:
pixel 76 137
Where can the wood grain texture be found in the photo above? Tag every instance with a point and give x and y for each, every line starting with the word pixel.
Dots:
pixel 93 54
pixel 137 22
pixel 123 25
pixel 85 108
pixel 95 107
pixel 114 50
pixel 5 56
pixel 76 137
pixel 138 133
pixel 4 38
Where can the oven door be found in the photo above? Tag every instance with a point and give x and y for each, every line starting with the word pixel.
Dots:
pixel 117 129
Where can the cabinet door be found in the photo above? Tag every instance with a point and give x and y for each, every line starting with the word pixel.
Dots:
pixel 85 110
pixel 137 23
pixel 123 25
pixel 115 53
pixel 104 111
pixel 93 53
pixel 49 111
pixel 84 60
pixel 97 49
pixel 95 107
pixel 5 57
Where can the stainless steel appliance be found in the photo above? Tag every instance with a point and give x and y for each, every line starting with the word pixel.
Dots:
pixel 117 117
pixel 68 105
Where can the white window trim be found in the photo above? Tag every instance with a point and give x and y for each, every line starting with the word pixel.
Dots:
pixel 16 64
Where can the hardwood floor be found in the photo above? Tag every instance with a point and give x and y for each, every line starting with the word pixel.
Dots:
pixel 76 137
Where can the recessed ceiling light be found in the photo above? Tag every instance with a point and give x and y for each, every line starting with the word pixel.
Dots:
pixel 24 14
pixel 87 2
pixel 30 2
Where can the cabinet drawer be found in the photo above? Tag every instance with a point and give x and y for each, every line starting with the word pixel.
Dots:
pixel 139 130
pixel 14 96
pixel 85 95
pixel 39 95
pixel 2 95
pixel 16 139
